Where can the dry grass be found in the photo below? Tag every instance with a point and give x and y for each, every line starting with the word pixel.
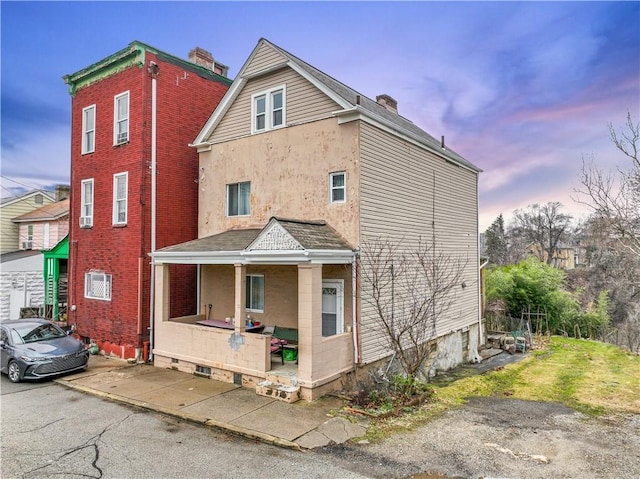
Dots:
pixel 591 377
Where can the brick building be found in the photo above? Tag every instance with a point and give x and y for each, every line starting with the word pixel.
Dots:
pixel 134 114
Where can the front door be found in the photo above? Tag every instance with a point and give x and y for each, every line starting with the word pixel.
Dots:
pixel 332 307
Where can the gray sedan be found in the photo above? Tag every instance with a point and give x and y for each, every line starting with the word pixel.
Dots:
pixel 35 348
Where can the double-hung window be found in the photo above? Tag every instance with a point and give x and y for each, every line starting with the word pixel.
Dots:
pixel 255 293
pixel 86 204
pixel 97 285
pixel 120 198
pixel 337 187
pixel 88 129
pixel 239 199
pixel 121 118
pixel 268 110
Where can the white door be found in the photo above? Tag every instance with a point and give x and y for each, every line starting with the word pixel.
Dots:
pixel 332 307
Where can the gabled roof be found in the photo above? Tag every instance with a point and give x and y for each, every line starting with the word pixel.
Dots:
pixel 15 199
pixel 353 103
pixel 50 212
pixel 281 241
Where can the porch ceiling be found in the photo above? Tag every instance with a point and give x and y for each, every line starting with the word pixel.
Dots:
pixel 281 241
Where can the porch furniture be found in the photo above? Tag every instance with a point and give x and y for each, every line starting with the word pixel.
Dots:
pixel 283 338
pixel 217 323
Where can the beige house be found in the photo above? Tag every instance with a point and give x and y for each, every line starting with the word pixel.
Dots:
pixel 297 171
pixel 44 227
pixel 14 207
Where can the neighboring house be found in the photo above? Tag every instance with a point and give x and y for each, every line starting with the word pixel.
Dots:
pixel 44 227
pixel 565 256
pixel 297 172
pixel 21 283
pixel 55 276
pixel 134 183
pixel 15 207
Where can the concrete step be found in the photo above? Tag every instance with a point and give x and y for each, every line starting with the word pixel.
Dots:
pixel 281 392
pixel 287 378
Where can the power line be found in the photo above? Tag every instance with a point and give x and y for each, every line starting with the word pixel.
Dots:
pixel 21 184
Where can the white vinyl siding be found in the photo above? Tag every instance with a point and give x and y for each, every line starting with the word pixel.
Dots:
pixel 88 129
pixel 121 118
pixel 304 103
pixel 86 204
pixel 443 200
pixel 97 285
pixel 120 182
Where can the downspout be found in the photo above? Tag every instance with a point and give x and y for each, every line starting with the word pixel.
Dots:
pixel 153 70
pixel 480 332
pixel 354 313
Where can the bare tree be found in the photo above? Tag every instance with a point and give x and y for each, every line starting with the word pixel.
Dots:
pixel 409 292
pixel 545 226
pixel 616 199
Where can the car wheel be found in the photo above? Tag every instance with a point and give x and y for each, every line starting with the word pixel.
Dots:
pixel 13 371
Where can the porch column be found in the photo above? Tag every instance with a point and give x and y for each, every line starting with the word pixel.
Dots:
pixel 240 297
pixel 309 318
pixel 163 294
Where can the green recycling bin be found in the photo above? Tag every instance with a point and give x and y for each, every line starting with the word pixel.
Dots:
pixel 290 353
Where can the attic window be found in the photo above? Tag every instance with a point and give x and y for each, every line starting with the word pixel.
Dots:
pixel 268 110
pixel 39 199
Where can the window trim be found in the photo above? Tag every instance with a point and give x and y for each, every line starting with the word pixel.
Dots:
pixel 85 148
pixel 333 188
pixel 268 109
pixel 228 206
pixel 117 200
pixel 339 285
pixel 97 276
pixel 248 295
pixel 86 221
pixel 117 139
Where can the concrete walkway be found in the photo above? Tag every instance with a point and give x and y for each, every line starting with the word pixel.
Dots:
pixel 232 408
pixel 225 406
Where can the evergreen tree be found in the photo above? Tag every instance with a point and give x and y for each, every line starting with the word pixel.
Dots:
pixel 496 242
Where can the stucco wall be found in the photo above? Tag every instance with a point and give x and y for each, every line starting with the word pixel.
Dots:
pixel 289 174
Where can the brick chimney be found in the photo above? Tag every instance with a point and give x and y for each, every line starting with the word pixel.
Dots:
pixel 202 57
pixel 62 192
pixel 388 102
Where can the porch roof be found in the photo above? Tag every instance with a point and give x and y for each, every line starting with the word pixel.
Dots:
pixel 281 241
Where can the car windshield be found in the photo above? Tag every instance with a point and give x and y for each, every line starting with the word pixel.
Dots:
pixel 32 332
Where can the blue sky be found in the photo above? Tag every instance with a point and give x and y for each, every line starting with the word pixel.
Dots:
pixel 524 90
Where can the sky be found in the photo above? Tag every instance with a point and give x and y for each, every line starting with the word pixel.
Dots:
pixel 523 90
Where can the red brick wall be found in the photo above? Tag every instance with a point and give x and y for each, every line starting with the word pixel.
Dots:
pixel 184 104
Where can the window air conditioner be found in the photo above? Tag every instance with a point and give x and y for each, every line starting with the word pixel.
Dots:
pixel 27 245
pixel 86 221
pixel 123 137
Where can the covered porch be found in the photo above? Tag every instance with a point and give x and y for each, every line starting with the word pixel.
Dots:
pixel 290 276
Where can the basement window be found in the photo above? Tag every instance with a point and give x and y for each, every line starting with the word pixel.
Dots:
pixel 203 371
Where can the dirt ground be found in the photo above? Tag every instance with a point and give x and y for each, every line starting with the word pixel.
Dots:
pixel 504 438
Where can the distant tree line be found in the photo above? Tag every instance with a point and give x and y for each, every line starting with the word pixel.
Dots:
pixel 599 295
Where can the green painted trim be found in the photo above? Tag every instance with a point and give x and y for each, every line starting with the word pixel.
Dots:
pixel 133 55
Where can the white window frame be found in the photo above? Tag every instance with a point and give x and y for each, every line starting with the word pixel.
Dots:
pixel 269 110
pixel 338 284
pixel 228 206
pixel 333 188
pixel 120 134
pixel 120 204
pixel 86 207
pixel 249 306
pixel 88 132
pixel 91 279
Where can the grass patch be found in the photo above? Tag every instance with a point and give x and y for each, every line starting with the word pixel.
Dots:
pixel 591 377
